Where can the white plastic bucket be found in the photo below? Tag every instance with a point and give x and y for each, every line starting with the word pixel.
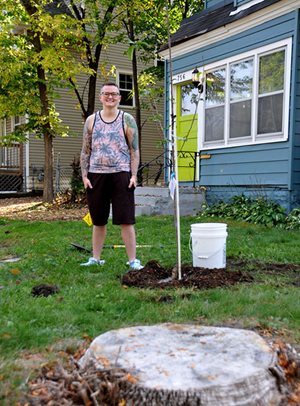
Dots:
pixel 209 245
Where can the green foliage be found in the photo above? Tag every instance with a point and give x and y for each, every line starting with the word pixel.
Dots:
pixel 151 95
pixel 258 211
pixel 292 221
pixel 36 58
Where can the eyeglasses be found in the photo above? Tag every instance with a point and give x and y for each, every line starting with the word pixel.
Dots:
pixel 113 94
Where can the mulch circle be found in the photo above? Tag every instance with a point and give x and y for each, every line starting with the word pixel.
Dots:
pixel 154 275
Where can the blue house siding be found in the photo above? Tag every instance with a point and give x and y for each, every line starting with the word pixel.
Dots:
pixel 263 167
pixel 243 166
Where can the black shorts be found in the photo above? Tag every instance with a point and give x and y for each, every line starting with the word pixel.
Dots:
pixel 111 188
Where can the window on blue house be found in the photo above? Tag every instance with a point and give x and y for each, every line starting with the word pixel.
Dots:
pixel 270 93
pixel 241 79
pixel 215 105
pixel 247 96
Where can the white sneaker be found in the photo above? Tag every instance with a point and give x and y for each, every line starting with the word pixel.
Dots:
pixel 93 261
pixel 136 264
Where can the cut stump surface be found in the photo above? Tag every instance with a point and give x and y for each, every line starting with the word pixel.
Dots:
pixel 178 364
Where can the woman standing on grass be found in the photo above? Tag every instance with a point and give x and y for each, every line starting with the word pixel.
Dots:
pixel 109 164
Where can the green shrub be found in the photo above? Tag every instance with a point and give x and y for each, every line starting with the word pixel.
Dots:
pixel 292 221
pixel 258 211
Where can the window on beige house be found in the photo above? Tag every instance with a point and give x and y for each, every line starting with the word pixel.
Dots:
pixel 125 82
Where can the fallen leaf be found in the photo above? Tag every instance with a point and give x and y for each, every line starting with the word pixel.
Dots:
pixel 15 271
pixel 131 378
pixel 87 337
pixel 104 361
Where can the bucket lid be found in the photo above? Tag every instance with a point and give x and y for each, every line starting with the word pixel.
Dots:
pixel 210 226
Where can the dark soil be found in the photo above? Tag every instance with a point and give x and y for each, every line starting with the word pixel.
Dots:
pixel 153 275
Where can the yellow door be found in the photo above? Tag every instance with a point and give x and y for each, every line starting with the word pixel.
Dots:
pixel 187 98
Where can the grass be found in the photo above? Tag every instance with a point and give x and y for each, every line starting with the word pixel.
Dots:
pixel 92 300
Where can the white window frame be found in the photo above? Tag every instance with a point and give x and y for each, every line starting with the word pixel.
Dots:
pixel 124 72
pixel 255 138
pixel 15 122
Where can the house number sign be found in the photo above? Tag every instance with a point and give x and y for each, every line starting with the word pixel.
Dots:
pixel 182 77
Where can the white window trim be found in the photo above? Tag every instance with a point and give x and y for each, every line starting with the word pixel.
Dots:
pixel 13 122
pixel 125 72
pixel 255 139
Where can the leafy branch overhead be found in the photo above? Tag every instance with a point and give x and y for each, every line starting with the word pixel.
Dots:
pixel 47 45
pixel 36 54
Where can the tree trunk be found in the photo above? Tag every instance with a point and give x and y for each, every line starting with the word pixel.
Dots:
pixel 182 364
pixel 45 129
pixel 93 64
pixel 136 95
pixel 92 59
pixel 48 193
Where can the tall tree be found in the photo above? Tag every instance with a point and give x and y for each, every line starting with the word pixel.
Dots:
pixel 35 59
pixel 95 21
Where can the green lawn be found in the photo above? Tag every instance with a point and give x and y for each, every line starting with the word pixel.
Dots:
pixel 92 300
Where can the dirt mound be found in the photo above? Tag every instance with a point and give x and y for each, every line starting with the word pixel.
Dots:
pixel 153 275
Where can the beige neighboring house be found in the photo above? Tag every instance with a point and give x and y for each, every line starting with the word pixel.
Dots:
pixel 22 165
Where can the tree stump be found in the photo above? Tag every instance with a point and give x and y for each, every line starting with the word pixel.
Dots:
pixel 182 364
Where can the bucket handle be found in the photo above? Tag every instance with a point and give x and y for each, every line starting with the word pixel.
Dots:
pixel 190 244
pixel 200 256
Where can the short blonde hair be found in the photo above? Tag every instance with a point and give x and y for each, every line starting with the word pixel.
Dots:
pixel 109 84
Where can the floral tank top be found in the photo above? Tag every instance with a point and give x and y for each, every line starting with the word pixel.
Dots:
pixel 109 149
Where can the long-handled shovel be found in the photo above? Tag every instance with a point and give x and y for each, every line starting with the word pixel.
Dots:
pixel 113 246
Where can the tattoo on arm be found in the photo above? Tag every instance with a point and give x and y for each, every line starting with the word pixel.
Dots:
pixel 86 148
pixel 131 131
pixel 133 142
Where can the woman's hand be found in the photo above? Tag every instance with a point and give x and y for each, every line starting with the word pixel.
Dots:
pixel 87 183
pixel 132 182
